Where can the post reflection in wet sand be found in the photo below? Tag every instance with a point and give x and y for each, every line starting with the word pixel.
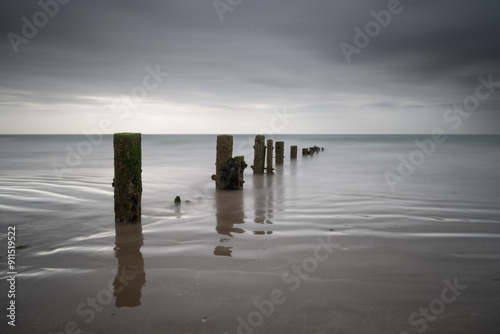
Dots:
pixel 264 198
pixel 130 277
pixel 279 188
pixel 229 212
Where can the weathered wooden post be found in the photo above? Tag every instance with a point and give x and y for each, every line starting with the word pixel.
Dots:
pixel 293 152
pixel 270 150
pixel 128 180
pixel 311 150
pixel 240 167
pixel 280 151
pixel 224 153
pixel 259 154
pixel 304 151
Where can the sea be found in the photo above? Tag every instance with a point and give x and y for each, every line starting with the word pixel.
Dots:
pixel 372 234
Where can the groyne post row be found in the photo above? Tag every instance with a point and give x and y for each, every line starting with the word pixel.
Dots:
pixel 128 177
pixel 127 181
pixel 260 153
pixel 312 150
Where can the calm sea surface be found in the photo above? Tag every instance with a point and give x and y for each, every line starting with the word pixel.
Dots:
pixel 203 266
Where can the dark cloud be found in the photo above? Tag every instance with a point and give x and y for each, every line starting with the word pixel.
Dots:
pixel 264 55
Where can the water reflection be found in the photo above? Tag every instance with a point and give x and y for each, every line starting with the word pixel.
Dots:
pixel 177 209
pixel 130 277
pixel 280 188
pixel 293 178
pixel 223 251
pixel 229 212
pixel 264 201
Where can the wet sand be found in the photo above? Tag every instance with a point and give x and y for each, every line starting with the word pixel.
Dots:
pixel 322 246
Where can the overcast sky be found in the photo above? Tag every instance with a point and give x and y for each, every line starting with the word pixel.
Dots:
pixel 234 66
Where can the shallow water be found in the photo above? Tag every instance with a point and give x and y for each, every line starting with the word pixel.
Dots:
pixel 368 257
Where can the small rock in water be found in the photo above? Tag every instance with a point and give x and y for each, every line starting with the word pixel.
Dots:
pixel 177 200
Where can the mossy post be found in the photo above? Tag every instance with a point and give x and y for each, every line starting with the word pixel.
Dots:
pixel 293 152
pixel 270 150
pixel 224 153
pixel 259 154
pixel 280 152
pixel 241 165
pixel 128 180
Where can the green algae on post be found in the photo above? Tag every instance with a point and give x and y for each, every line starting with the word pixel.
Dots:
pixel 128 178
pixel 177 200
pixel 224 153
pixel 259 154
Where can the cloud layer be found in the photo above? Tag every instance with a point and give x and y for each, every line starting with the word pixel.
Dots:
pixel 232 75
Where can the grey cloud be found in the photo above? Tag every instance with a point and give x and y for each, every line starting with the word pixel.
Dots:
pixel 264 53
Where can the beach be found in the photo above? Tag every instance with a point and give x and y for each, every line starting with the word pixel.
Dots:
pixel 324 245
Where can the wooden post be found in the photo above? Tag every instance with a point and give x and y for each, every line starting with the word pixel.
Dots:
pixel 259 154
pixel 280 151
pixel 231 174
pixel 311 150
pixel 128 180
pixel 240 167
pixel 224 153
pixel 270 150
pixel 293 152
